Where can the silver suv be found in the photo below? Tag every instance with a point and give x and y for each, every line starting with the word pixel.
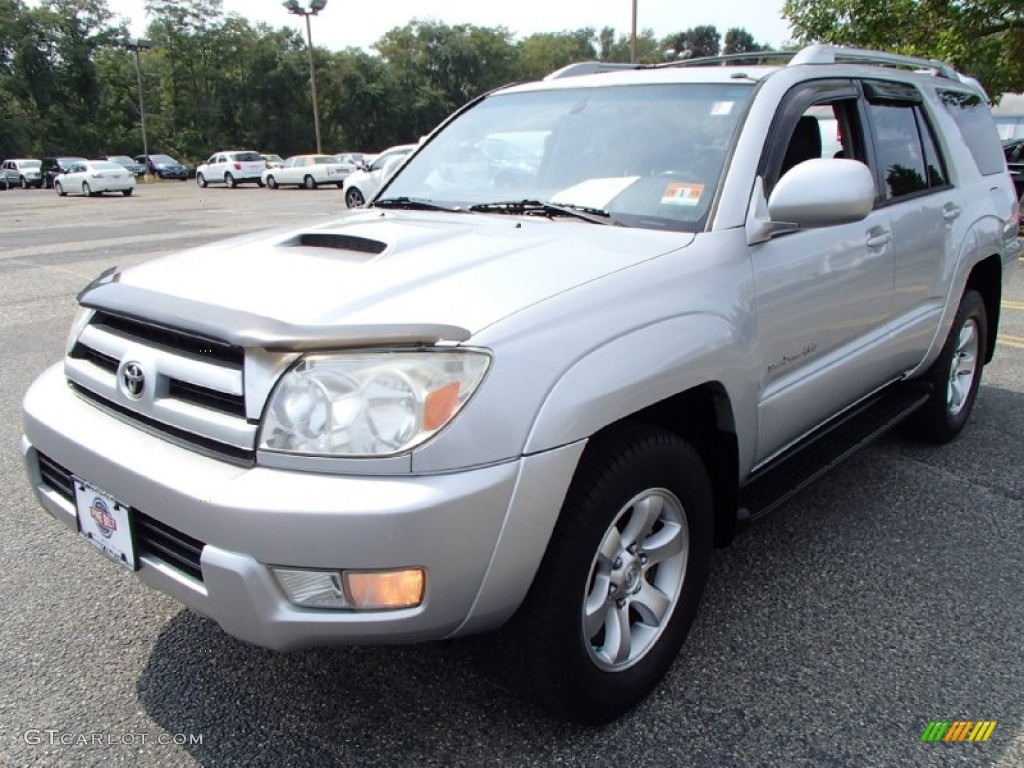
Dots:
pixel 589 326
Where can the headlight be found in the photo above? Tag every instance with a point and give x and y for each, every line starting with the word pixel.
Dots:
pixel 369 404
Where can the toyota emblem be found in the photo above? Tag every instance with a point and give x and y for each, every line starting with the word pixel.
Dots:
pixel 133 380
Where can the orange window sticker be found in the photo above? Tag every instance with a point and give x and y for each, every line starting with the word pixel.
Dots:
pixel 682 194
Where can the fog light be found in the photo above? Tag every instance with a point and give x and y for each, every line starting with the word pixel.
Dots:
pixel 376 590
pixel 312 589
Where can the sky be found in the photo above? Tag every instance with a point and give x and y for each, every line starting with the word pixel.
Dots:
pixel 345 23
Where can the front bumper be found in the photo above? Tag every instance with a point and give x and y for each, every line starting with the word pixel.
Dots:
pixel 246 519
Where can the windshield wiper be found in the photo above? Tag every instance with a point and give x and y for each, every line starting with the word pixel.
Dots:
pixel 535 207
pixel 413 204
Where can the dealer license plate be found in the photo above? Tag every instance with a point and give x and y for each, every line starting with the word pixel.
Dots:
pixel 105 522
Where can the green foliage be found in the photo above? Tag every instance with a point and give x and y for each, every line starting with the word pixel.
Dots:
pixel 984 38
pixel 215 81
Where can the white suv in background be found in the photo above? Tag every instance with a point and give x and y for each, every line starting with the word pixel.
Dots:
pixel 232 168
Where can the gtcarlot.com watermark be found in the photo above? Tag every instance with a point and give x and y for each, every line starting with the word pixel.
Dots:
pixel 54 737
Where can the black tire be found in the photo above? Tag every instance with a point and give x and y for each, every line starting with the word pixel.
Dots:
pixel 60 189
pixel 86 189
pixel 230 181
pixel 309 182
pixel 637 490
pixel 271 182
pixel 354 198
pixel 127 192
pixel 24 183
pixel 955 375
pixel 259 183
pixel 200 181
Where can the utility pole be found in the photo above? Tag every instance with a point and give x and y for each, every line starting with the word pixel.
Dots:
pixel 315 7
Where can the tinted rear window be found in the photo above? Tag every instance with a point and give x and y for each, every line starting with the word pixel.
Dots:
pixel 247 157
pixel 977 128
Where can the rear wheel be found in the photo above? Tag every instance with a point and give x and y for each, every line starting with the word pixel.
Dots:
pixel 309 182
pixel 230 181
pixel 271 182
pixel 200 180
pixel 24 183
pixel 60 189
pixel 956 375
pixel 354 198
pixel 127 192
pixel 622 577
pixel 86 189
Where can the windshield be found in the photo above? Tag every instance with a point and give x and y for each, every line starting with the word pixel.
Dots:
pixel 122 159
pixel 163 159
pixel 105 166
pixel 30 163
pixel 649 155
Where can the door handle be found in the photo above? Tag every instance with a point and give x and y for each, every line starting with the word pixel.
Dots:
pixel 950 211
pixel 881 239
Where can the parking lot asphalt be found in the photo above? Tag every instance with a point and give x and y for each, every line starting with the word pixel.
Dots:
pixel 888 595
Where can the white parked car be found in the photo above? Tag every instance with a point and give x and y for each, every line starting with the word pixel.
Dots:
pixel 232 168
pixel 24 172
pixel 361 184
pixel 94 177
pixel 309 171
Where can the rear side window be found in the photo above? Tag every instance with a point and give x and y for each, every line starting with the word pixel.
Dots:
pixel 978 129
pixel 905 148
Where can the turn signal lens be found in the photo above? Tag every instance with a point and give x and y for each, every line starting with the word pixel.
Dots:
pixel 378 590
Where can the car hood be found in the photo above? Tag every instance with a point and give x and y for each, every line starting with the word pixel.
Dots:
pixel 374 268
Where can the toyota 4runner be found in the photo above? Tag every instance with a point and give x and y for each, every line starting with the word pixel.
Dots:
pixel 588 326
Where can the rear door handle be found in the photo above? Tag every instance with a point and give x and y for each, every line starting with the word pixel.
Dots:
pixel 950 211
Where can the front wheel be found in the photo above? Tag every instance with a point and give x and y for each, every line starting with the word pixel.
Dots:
pixel 309 182
pixel 271 182
pixel 86 189
pixel 200 180
pixel 354 198
pixel 955 375
pixel 127 192
pixel 621 579
pixel 24 183
pixel 60 189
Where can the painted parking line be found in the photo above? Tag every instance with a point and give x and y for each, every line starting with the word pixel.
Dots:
pixel 1012 304
pixel 1007 340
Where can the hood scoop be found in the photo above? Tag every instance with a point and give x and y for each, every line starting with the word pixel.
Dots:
pixel 342 244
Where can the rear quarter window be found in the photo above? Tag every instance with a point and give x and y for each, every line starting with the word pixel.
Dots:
pixel 977 128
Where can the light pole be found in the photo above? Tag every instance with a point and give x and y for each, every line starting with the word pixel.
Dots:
pixel 632 38
pixel 137 44
pixel 315 6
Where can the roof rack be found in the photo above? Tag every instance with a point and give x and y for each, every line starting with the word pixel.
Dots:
pixel 835 54
pixel 588 68
pixel 812 54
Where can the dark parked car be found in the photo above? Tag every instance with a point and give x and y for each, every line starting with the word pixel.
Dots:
pixel 163 166
pixel 136 168
pixel 54 166
pixel 1014 151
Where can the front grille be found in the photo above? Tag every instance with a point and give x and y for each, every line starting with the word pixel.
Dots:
pixel 152 538
pixel 157 540
pixel 193 386
pixel 170 339
pixel 56 477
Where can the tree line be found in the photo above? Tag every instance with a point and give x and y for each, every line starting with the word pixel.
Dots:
pixel 214 80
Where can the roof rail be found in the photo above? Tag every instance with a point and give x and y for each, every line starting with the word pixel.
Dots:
pixel 588 68
pixel 835 54
pixel 755 57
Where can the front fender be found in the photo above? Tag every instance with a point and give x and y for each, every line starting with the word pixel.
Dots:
pixel 644 367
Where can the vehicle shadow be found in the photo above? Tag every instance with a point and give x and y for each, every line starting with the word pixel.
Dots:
pixel 886 595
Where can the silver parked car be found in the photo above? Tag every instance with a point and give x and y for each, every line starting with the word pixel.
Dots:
pixel 588 326
pixel 23 172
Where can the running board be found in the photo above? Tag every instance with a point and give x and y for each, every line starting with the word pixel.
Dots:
pixel 827 446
